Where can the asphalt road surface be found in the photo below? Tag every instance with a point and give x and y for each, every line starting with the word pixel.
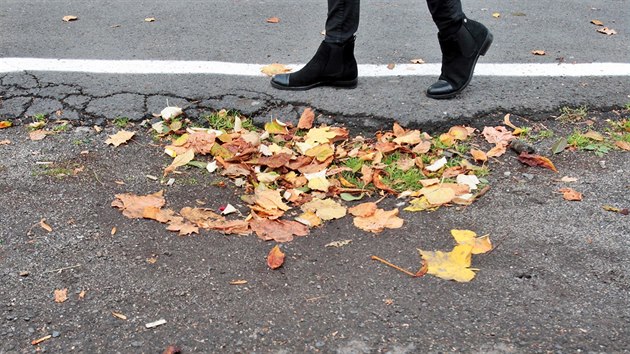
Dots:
pixel 390 32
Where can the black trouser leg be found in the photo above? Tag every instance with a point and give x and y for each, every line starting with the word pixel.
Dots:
pixel 447 15
pixel 343 20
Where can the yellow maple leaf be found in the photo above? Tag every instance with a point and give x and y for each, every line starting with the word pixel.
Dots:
pixel 270 199
pixel 321 152
pixel 453 265
pixel 276 127
pixel 466 237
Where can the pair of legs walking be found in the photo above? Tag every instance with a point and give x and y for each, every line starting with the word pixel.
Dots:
pixel 461 40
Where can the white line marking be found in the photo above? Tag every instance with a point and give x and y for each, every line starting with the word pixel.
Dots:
pixel 8 65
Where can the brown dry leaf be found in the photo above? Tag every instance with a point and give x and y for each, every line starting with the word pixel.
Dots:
pixel 273 20
pixel 183 227
pixel 591 134
pixel 495 135
pixel 38 134
pixel 422 148
pixel 61 295
pixel 277 230
pixel 82 295
pixel 411 137
pixel 309 219
pixel 417 61
pixel 180 160
pixel 133 206
pixel 273 69
pixel 270 199
pixel 200 142
pixel 498 150
pixel 114 230
pixel 5 124
pixel 377 180
pixel 379 221
pixel 607 31
pixel 391 66
pixel 623 145
pixel 119 138
pixel 171 349
pixel 69 18
pixel 536 160
pixel 363 209
pixel 306 119
pixel 538 52
pixel 275 258
pixel 478 155
pixel 119 316
pixel 597 22
pixel 235 227
pixel 238 282
pixel 43 225
pixel 5 142
pixel 149 19
pixel 570 194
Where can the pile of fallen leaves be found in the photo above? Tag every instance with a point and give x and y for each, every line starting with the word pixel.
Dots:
pixel 297 178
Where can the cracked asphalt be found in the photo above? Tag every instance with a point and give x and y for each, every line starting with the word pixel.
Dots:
pixel 558 281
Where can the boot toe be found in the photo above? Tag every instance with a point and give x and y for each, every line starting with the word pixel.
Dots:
pixel 441 89
pixel 280 80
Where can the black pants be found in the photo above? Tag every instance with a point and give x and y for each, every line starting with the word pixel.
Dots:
pixel 343 18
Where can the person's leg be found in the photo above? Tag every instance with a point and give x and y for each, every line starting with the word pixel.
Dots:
pixel 462 41
pixel 334 63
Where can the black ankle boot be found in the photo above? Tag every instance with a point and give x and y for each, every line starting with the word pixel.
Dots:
pixel 460 52
pixel 333 65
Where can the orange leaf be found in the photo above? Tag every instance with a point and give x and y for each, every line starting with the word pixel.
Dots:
pixel 571 194
pixel 478 155
pixel 273 69
pixel 536 160
pixel 538 52
pixel 133 206
pixel 498 150
pixel 273 20
pixel 61 295
pixel 378 183
pixel 379 221
pixel 306 119
pixel 277 230
pixel 363 210
pixel 37 134
pixel 43 225
pixel 623 145
pixel 275 259
pixel 5 124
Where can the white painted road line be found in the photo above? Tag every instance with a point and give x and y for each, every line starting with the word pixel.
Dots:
pixel 8 65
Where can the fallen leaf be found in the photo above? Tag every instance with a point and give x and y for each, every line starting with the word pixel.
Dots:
pixel 171 112
pixel 379 221
pixel 69 18
pixel 616 210
pixel 238 282
pixel 607 31
pixel 498 150
pixel 536 160
pixel 568 179
pixel 453 265
pixel 391 66
pixel 61 295
pixel 119 316
pixel 326 209
pixel 155 324
pixel 133 206
pixel 82 295
pixel 113 232
pixel 5 124
pixel 591 134
pixel 363 209
pixel 435 166
pixel 495 135
pixel 36 135
pixel 470 180
pixel 623 145
pixel 478 155
pixel 538 52
pixel 309 219
pixel 180 160
pixel 149 19
pixel 5 142
pixel 306 119
pixel 277 230
pixel 43 225
pixel 276 127
pixel 270 199
pixel 597 22
pixel 417 61
pixel 466 237
pixel 559 146
pixel 273 20
pixel 273 69
pixel 275 258
pixel 119 138
pixel 571 194
pixel 171 349
pixel 338 244
pixel 496 14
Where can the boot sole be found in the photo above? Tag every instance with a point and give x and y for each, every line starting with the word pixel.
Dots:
pixel 482 51
pixel 349 84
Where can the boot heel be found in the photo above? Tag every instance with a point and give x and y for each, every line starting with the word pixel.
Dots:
pixel 486 44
